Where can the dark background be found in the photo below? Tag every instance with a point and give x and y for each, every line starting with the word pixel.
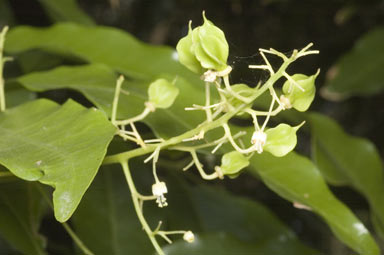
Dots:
pixel 332 25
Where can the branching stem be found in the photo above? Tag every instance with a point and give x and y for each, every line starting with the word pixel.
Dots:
pixel 138 209
pixel 2 61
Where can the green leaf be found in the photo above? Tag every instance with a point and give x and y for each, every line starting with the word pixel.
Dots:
pixel 106 220
pixel 61 146
pixel 245 226
pixel 16 94
pixel 37 60
pixel 348 160
pixel 225 244
pixel 297 179
pixel 110 46
pixel 360 72
pixel 97 83
pixel 66 10
pixel 20 214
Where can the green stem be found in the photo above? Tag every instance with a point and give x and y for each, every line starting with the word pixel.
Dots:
pixel 206 126
pixel 2 61
pixel 76 239
pixel 67 228
pixel 119 82
pixel 136 204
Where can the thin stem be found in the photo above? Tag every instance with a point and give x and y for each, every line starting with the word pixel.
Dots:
pixel 119 82
pixel 233 93
pixel 208 101
pixel 263 113
pixel 200 168
pixel 136 204
pixel 141 116
pixel 234 144
pixel 67 228
pixel 269 114
pixel 76 239
pixel 2 61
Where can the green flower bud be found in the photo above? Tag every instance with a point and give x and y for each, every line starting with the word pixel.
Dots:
pixel 233 162
pixel 281 139
pixel 162 93
pixel 298 98
pixel 205 45
pixel 186 55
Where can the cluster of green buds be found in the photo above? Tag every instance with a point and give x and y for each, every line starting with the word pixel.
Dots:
pixel 204 50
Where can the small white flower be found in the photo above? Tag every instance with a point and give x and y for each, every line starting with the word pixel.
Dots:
pixel 158 190
pixel 189 237
pixel 259 138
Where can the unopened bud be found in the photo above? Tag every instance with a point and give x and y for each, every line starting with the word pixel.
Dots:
pixel 189 237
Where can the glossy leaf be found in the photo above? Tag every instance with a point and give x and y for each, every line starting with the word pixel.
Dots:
pixel 97 83
pixel 61 146
pixel 110 46
pixel 359 72
pixel 297 179
pixel 348 160
pixel 20 215
pixel 66 10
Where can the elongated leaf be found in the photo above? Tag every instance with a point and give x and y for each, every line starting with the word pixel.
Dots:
pixel 97 83
pixel 20 215
pixel 61 146
pixel 110 46
pixel 348 160
pixel 225 244
pixel 360 72
pixel 245 221
pixel 66 10
pixel 297 179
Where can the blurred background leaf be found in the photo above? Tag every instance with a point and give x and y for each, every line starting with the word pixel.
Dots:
pixel 66 10
pixel 21 210
pixel 348 160
pixel 359 72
